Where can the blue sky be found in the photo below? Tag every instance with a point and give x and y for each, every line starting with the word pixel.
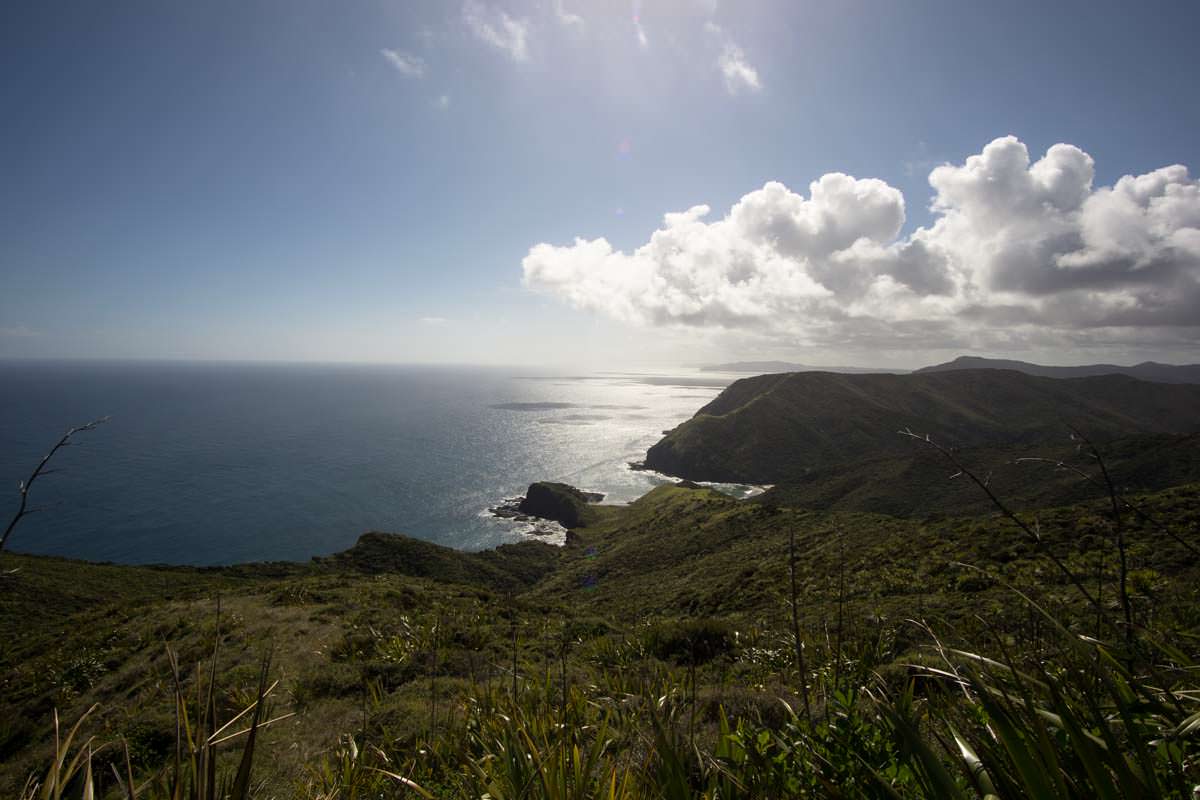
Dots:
pixel 368 181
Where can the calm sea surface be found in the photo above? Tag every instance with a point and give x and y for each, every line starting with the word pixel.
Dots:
pixel 220 463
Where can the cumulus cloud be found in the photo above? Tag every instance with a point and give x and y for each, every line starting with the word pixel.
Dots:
pixel 1019 251
pixel 496 28
pixel 406 64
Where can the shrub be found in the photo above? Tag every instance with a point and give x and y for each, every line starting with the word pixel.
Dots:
pixel 690 641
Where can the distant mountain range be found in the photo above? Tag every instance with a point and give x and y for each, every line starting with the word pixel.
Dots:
pixel 1146 371
pixel 766 367
pixel 776 428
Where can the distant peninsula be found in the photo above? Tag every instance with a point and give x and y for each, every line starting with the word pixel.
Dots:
pixel 832 441
pixel 767 367
pixel 1146 371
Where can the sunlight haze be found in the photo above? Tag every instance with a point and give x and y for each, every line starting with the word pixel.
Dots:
pixel 585 183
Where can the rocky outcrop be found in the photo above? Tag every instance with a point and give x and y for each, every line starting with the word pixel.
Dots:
pixel 564 504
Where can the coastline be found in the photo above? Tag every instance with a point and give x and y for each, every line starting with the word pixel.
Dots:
pixel 251 476
pixel 531 528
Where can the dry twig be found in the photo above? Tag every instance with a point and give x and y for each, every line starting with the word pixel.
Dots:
pixel 24 486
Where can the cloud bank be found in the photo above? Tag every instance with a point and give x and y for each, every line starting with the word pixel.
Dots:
pixel 1020 253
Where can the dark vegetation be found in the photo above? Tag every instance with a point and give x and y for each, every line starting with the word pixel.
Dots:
pixel 511 567
pixel 685 645
pixel 1031 476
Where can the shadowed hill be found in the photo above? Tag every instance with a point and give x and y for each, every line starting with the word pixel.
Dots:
pixel 510 567
pixel 774 428
pixel 921 483
pixel 1146 371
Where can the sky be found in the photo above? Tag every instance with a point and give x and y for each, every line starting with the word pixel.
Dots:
pixel 600 184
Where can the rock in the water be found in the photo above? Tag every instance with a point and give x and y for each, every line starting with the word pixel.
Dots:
pixel 557 501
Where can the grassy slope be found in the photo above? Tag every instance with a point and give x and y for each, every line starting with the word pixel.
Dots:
pixel 323 624
pixel 74 633
pixel 508 568
pixel 680 552
pixel 353 621
pixel 919 484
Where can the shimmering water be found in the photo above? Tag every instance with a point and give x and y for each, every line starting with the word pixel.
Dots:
pixel 222 463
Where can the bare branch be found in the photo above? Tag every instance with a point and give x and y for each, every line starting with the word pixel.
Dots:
pixel 1032 531
pixel 1126 607
pixel 1137 510
pixel 24 486
pixel 800 661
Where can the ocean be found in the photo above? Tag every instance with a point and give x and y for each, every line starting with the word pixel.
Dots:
pixel 220 463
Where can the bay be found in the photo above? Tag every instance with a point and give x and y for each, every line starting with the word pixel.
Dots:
pixel 218 463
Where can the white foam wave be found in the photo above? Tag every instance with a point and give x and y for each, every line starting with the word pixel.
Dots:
pixel 741 491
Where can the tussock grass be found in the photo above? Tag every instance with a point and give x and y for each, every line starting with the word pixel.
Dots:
pixel 674 673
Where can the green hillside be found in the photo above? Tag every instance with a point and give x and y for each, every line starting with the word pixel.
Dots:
pixel 661 634
pixel 923 482
pixel 776 428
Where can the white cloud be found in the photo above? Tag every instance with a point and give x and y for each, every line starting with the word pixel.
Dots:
pixel 737 72
pixel 566 17
pixel 442 102
pixel 433 320
pixel 498 29
pixel 18 332
pixel 1018 252
pixel 407 64
pixel 640 32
